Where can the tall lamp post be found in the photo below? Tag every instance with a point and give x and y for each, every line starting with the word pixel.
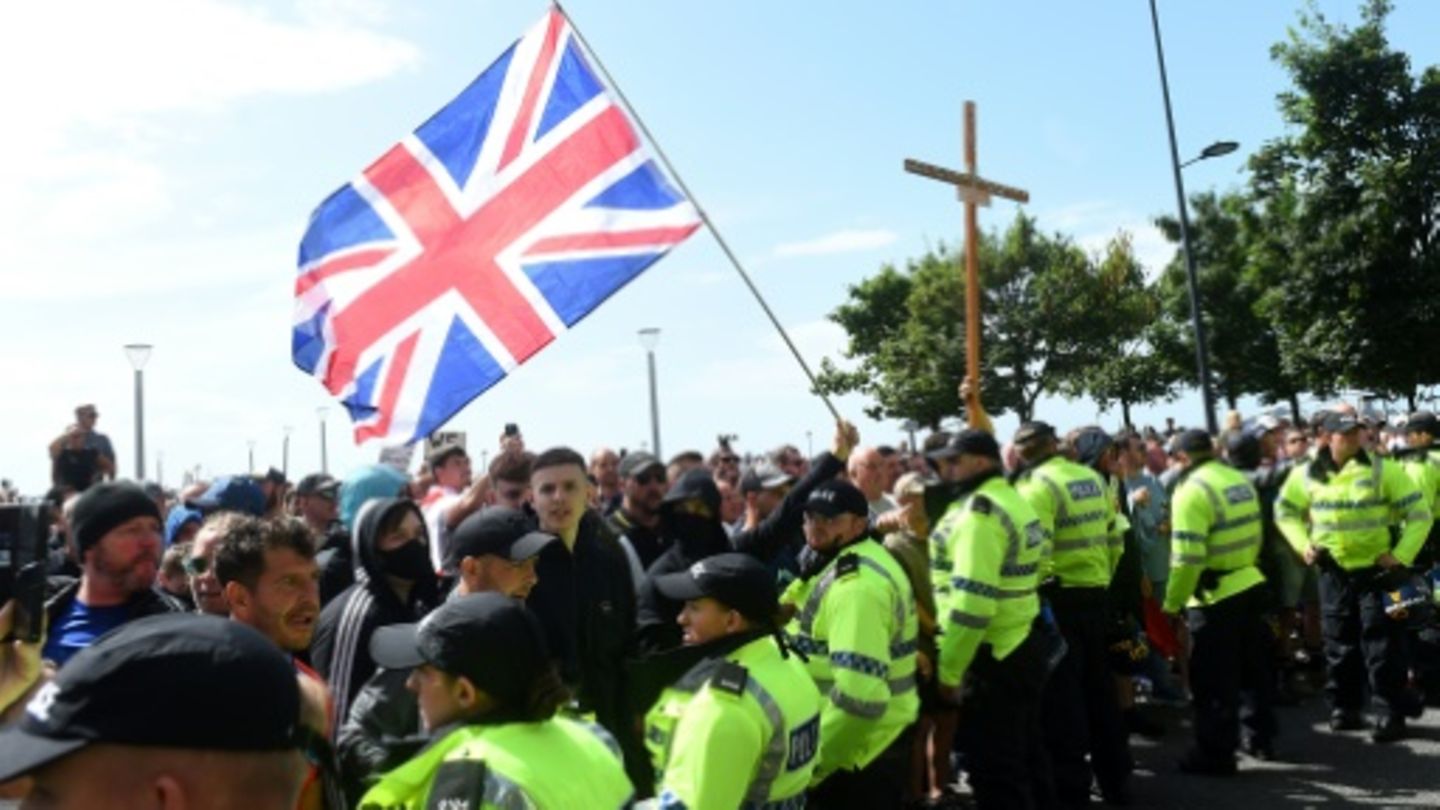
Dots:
pixel 649 339
pixel 285 452
pixel 324 455
pixel 138 354
pixel 1202 363
pixel 250 446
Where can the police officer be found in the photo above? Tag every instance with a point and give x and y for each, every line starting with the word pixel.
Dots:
pixel 1217 534
pixel 1081 710
pixel 1351 499
pixel 856 622
pixel 742 726
pixel 173 710
pixel 1422 463
pixel 488 694
pixel 989 640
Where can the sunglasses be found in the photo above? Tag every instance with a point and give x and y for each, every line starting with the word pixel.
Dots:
pixel 650 477
pixel 729 459
pixel 197 566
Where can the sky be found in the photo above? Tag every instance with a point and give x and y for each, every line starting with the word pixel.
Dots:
pixel 164 156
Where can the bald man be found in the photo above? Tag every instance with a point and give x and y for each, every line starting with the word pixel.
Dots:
pixel 869 471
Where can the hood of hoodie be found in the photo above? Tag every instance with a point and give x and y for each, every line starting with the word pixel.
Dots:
pixel 365 537
pixel 697 536
pixel 366 484
pixel 695 484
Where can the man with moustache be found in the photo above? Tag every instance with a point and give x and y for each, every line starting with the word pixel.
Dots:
pixel 115 528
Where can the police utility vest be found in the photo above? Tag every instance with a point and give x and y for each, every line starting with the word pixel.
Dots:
pixel 856 623
pixel 1216 533
pixel 997 542
pixel 514 766
pixel 1352 510
pixel 739 730
pixel 1077 511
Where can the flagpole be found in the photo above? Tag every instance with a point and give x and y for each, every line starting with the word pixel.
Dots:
pixel 704 217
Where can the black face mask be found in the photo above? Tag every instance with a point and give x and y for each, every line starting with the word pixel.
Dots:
pixel 693 528
pixel 410 561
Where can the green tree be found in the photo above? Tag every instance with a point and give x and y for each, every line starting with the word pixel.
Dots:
pixel 1237 262
pixel 1131 366
pixel 906 328
pixel 1359 172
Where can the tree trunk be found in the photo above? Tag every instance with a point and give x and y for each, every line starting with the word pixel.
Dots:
pixel 1294 407
pixel 1232 401
pixel 1410 400
pixel 1125 412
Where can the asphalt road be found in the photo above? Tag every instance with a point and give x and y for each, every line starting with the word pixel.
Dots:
pixel 1315 768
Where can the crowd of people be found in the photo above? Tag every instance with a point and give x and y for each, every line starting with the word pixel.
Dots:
pixel 872 627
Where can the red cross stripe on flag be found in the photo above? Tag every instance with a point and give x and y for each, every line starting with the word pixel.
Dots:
pixel 470 245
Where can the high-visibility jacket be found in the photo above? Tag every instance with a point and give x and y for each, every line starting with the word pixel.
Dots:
pixel 1350 511
pixel 739 730
pixel 1077 511
pixel 553 763
pixel 1216 526
pixel 997 542
pixel 1423 468
pixel 856 623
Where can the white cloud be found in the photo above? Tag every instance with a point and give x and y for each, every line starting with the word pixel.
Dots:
pixel 148 56
pixel 1093 223
pixel 847 241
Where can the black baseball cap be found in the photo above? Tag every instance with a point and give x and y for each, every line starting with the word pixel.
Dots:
pixel 1032 431
pixel 638 462
pixel 837 497
pixel 969 441
pixel 763 475
pixel 177 680
pixel 1422 421
pixel 318 484
pixel 1194 440
pixel 487 637
pixel 1339 422
pixel 498 530
pixel 738 581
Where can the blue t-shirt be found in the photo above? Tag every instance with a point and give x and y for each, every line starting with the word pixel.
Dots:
pixel 79 628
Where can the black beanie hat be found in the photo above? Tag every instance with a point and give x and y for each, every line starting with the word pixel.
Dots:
pixel 103 507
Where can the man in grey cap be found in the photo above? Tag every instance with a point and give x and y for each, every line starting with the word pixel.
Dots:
pixel 763 486
pixel 637 520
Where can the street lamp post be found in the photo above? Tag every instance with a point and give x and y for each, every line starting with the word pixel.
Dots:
pixel 324 455
pixel 138 354
pixel 1202 363
pixel 649 339
pixel 285 452
pixel 250 445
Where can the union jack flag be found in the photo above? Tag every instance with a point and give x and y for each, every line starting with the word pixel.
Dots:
pixel 467 247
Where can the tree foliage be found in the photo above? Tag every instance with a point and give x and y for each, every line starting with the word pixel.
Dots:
pixel 1351 191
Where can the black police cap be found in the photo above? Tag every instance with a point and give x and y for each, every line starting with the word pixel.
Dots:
pixel 499 531
pixel 177 680
pixel 486 637
pixel 738 581
pixel 837 497
pixel 969 441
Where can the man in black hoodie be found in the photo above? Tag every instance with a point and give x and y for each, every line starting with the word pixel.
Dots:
pixel 690 522
pixel 397 586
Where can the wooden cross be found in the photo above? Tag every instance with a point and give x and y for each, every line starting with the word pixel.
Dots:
pixel 974 191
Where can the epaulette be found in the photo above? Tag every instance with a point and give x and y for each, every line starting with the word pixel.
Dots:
pixel 730 677
pixel 460 781
pixel 847 565
pixel 981 505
